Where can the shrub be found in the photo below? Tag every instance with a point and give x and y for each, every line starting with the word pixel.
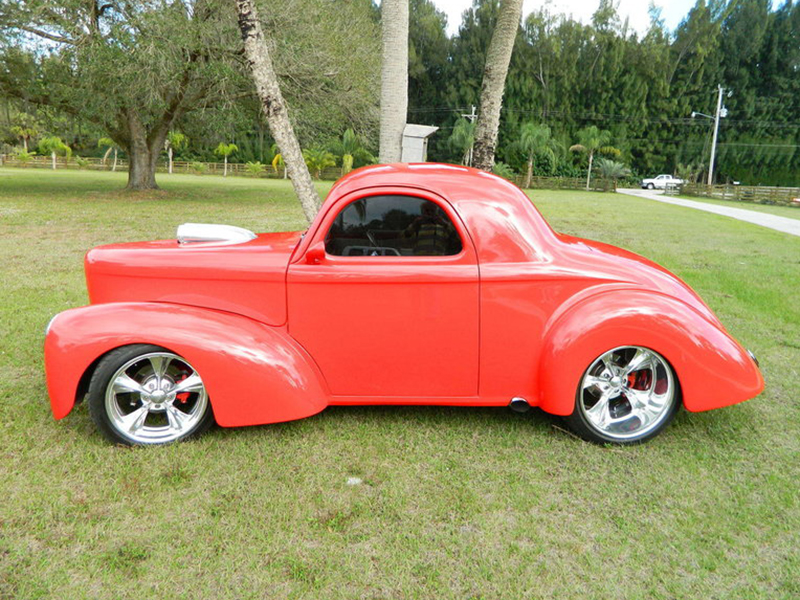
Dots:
pixel 198 167
pixel 503 170
pixel 255 168
pixel 23 156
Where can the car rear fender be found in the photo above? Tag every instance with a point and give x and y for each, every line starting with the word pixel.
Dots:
pixel 712 368
pixel 253 373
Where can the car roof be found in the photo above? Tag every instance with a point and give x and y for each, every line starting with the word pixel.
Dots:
pixel 489 205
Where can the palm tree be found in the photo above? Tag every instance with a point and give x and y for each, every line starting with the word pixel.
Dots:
pixel 534 138
pixel 317 159
pixel 25 133
pixel 350 148
pixel 225 150
pixel 494 81
pixel 611 169
pixel 175 141
pixel 111 146
pixel 54 146
pixel 462 140
pixel 591 140
pixel 394 78
pixel 276 111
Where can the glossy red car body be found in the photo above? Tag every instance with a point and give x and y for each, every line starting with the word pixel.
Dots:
pixel 279 329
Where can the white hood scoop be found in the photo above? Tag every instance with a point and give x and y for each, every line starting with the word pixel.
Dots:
pixel 213 235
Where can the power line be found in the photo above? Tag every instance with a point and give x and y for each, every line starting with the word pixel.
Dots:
pixel 547 114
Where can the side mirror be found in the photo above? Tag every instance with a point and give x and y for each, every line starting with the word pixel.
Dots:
pixel 316 254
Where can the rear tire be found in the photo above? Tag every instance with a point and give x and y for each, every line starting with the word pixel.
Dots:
pixel 145 394
pixel 627 395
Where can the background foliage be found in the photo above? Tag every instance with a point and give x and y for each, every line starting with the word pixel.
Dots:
pixel 641 87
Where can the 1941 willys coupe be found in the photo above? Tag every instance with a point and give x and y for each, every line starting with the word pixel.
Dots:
pixel 415 284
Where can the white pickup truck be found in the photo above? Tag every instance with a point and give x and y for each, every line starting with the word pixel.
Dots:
pixel 661 182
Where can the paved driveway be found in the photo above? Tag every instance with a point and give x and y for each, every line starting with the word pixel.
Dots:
pixel 784 224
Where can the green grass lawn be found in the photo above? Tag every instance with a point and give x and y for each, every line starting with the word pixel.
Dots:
pixel 454 503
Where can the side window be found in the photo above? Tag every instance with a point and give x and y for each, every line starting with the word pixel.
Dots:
pixel 392 226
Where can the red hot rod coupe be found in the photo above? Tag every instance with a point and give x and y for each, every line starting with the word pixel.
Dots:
pixel 415 284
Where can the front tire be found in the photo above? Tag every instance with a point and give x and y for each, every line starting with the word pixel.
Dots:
pixel 626 396
pixel 650 186
pixel 145 394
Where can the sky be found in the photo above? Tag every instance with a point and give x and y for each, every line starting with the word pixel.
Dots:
pixel 636 10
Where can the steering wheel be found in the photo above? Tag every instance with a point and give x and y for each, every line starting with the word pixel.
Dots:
pixel 372 239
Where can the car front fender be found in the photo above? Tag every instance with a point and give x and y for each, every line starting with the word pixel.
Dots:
pixel 712 368
pixel 254 373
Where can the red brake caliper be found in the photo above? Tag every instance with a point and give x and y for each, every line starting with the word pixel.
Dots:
pixel 640 380
pixel 183 397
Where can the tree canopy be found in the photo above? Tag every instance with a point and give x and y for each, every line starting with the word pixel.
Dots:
pixel 136 69
pixel 78 71
pixel 641 87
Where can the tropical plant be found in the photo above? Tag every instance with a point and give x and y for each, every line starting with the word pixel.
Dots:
pixel 534 139
pixel 462 140
pixel 175 141
pixel 318 159
pixel 255 168
pixel 198 167
pixel 592 140
pixel 24 156
pixel 225 150
pixel 111 146
pixel 54 146
pixel 351 149
pixel 277 163
pixel 81 162
pixel 503 170
pixel 611 169
pixel 25 133
pixel 689 173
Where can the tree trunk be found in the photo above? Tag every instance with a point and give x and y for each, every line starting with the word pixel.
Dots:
pixel 275 110
pixel 53 156
pixel 530 172
pixel 143 152
pixel 114 167
pixel 394 79
pixel 498 58
pixel 141 170
pixel 225 168
pixel 169 154
pixel 589 172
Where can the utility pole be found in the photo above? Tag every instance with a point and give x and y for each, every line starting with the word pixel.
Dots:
pixel 714 141
pixel 721 112
pixel 471 116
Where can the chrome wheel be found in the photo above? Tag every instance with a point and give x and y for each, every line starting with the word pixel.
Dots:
pixel 627 394
pixel 148 395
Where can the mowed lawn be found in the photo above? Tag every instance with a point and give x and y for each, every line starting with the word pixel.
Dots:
pixel 453 503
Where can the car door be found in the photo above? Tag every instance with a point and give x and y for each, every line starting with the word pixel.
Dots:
pixel 386 302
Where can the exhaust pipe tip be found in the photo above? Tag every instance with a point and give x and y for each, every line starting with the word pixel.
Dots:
pixel 519 405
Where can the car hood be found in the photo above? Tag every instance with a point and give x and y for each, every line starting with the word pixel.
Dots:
pixel 246 278
pixel 612 264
